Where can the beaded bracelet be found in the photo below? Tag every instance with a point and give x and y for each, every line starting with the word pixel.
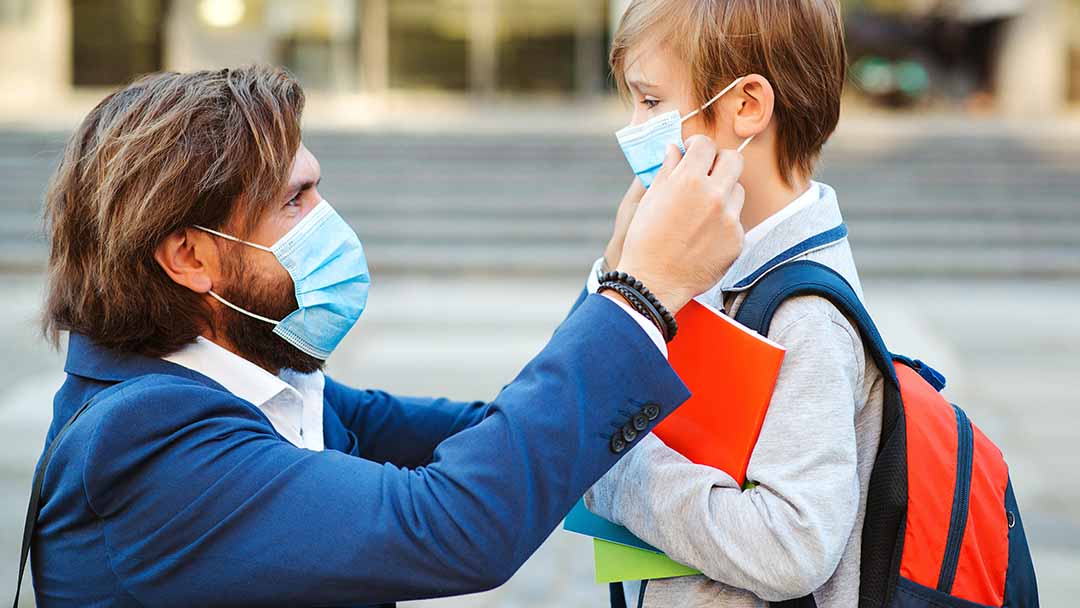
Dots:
pixel 642 300
pixel 637 302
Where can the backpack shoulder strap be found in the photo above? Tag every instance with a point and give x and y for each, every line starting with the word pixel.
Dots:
pixel 886 507
pixel 803 278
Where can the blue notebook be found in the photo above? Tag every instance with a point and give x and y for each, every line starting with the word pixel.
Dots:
pixel 583 521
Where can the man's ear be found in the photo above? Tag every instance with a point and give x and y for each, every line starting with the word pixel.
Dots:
pixel 754 101
pixel 188 257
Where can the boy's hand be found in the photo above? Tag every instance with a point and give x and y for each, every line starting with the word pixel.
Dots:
pixel 686 232
pixel 623 217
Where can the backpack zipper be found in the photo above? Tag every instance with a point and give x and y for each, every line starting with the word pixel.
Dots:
pixel 961 494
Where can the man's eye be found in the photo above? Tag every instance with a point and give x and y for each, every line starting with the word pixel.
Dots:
pixel 650 103
pixel 294 201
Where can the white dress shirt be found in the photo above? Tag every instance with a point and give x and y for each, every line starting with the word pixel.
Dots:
pixel 292 401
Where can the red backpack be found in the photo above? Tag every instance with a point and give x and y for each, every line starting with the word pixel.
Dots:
pixel 942 528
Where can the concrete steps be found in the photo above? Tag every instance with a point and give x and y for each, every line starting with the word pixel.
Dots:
pixel 920 205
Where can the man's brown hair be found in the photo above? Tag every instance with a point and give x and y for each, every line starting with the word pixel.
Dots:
pixel 168 151
pixel 798 45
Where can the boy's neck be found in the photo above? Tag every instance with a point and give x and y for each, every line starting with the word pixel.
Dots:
pixel 768 193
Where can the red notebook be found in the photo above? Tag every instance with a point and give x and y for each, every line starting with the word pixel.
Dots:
pixel 731 372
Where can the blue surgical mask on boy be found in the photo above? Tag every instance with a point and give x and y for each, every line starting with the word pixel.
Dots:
pixel 645 145
pixel 326 261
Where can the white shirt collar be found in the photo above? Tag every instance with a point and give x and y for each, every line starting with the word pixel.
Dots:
pixel 804 200
pixel 715 296
pixel 292 402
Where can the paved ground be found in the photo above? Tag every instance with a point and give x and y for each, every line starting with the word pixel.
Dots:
pixel 950 231
pixel 1007 348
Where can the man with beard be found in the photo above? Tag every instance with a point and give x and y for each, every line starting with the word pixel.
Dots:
pixel 198 456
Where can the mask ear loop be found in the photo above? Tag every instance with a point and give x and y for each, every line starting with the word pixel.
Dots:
pixel 727 89
pixel 241 310
pixel 234 239
pixel 223 300
pixel 713 100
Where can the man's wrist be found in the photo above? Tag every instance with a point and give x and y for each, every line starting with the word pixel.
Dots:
pixel 617 297
pixel 672 298
pixel 643 300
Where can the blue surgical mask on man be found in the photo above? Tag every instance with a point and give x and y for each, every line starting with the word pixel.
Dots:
pixel 645 145
pixel 326 261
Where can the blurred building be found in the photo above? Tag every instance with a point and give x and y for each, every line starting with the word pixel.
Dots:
pixel 51 48
pixel 472 46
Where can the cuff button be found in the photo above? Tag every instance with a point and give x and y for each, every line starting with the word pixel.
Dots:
pixel 640 422
pixel 651 411
pixel 618 444
pixel 629 434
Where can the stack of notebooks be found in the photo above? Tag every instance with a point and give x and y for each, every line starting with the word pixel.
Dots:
pixel 731 372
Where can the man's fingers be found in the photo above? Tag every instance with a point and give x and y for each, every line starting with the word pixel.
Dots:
pixel 671 160
pixel 728 163
pixel 736 200
pixel 634 192
pixel 700 155
pixel 727 169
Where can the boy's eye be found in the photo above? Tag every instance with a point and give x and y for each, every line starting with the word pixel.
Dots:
pixel 650 103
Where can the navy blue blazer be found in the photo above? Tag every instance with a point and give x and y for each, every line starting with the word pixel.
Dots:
pixel 171 491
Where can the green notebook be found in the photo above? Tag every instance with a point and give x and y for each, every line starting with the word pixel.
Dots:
pixel 616 563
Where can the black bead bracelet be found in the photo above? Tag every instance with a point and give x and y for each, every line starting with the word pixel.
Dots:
pixel 643 301
pixel 638 303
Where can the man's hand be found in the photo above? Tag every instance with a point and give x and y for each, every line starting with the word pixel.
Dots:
pixel 623 217
pixel 686 231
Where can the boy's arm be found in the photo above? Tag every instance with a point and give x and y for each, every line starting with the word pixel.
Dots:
pixel 784 538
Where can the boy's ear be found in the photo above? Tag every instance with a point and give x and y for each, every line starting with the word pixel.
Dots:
pixel 755 100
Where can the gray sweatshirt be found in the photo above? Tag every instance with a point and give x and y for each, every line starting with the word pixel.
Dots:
pixel 799 530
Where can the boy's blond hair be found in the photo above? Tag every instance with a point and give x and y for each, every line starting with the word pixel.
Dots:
pixel 798 45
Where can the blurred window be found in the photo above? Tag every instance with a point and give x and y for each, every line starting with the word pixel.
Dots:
pixel 429 44
pixel 115 41
pixel 14 11
pixel 316 40
pixel 536 44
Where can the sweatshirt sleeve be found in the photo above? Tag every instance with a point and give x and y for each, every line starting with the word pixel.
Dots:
pixel 785 537
pixel 201 504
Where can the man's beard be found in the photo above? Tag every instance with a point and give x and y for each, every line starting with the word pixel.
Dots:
pixel 253 339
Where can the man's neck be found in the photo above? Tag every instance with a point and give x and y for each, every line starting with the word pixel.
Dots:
pixel 227 344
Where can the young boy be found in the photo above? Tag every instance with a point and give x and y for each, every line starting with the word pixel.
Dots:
pixel 798 531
